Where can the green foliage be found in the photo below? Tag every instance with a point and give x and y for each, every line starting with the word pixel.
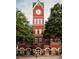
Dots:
pixel 53 26
pixel 23 30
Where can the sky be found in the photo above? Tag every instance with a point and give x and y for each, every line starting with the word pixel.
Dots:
pixel 26 7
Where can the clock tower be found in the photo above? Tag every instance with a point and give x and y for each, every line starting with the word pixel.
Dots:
pixel 38 23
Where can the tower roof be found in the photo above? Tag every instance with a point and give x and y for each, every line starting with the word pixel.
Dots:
pixel 38 2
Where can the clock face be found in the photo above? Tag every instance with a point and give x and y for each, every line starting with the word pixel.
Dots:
pixel 38 11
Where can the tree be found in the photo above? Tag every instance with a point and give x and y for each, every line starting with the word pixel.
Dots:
pixel 23 31
pixel 53 27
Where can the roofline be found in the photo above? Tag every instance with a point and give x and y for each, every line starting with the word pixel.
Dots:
pixel 37 3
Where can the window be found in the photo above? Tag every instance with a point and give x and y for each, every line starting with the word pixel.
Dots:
pixel 36 40
pixel 40 31
pixel 40 39
pixel 40 21
pixel 34 21
pixel 36 31
pixel 37 21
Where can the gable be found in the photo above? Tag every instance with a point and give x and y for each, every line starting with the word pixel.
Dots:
pixel 36 3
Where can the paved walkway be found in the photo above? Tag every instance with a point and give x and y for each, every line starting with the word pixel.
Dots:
pixel 40 57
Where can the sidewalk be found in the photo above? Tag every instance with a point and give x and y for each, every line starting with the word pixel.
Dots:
pixel 39 57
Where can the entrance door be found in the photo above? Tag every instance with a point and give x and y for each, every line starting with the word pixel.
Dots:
pixel 53 51
pixel 37 51
pixel 47 50
pixel 22 51
pixel 28 51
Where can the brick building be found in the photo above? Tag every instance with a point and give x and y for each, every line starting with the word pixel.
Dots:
pixel 39 42
pixel 43 46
